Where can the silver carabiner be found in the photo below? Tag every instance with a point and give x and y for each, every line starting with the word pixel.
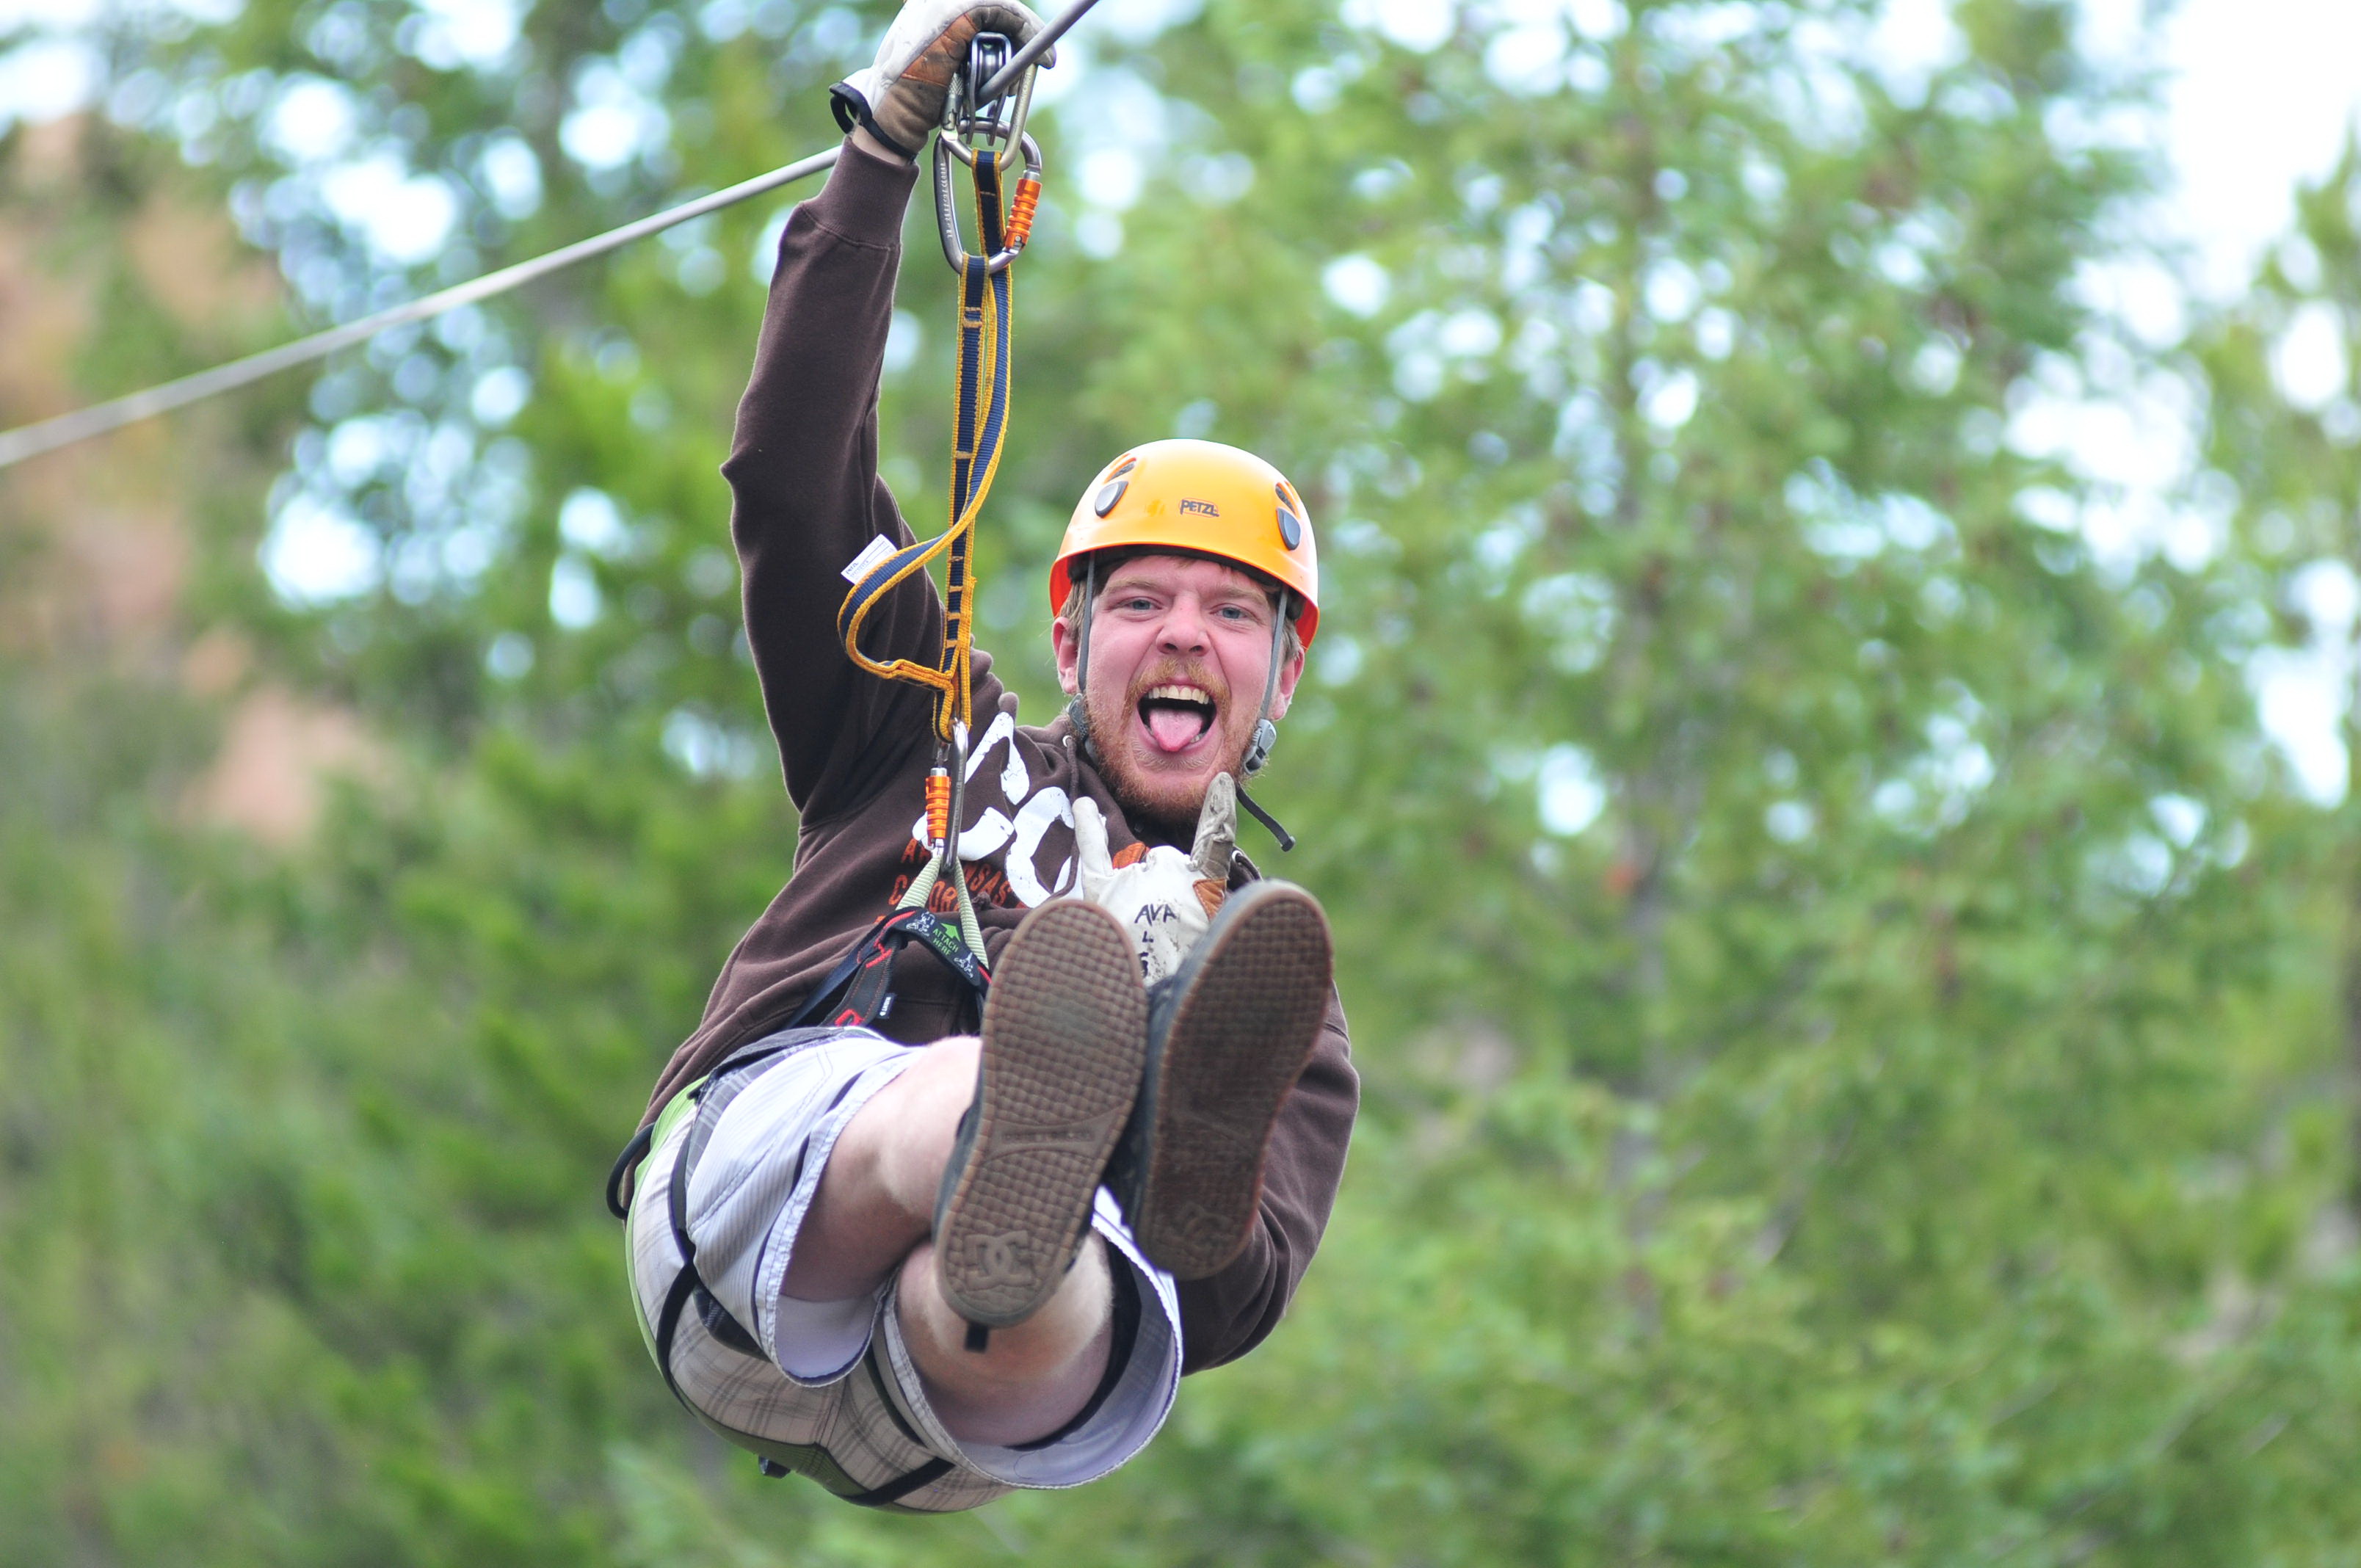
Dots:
pixel 968 127
pixel 1002 119
pixel 1020 222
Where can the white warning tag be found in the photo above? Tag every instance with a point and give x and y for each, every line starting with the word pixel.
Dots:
pixel 866 562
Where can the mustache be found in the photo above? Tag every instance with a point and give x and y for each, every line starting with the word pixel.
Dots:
pixel 1182 674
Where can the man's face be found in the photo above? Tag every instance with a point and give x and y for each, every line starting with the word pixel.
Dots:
pixel 1179 649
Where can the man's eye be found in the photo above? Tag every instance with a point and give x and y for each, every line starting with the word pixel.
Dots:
pixel 1139 604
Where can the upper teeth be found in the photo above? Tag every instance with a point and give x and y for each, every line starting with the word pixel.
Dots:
pixel 1181 694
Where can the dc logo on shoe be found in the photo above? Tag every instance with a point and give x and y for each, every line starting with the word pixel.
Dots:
pixel 997 1260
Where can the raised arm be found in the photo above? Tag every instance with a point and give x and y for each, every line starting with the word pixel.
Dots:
pixel 803 470
pixel 806 498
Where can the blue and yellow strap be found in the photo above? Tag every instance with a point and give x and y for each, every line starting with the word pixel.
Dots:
pixel 981 419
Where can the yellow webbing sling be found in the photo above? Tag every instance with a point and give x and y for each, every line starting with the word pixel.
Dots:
pixel 980 421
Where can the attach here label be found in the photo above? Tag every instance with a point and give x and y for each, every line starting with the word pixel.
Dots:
pixel 876 550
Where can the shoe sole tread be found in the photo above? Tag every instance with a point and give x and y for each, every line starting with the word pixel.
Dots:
pixel 1236 1044
pixel 1064 1032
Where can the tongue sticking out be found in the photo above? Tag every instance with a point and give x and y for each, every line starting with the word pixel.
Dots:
pixel 1174 726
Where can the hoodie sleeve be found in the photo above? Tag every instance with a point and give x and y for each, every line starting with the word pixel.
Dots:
pixel 806 498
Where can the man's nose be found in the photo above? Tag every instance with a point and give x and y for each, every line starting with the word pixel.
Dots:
pixel 1184 629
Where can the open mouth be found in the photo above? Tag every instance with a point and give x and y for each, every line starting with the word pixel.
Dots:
pixel 1177 716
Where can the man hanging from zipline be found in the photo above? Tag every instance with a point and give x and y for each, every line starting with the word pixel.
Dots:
pixel 943 1196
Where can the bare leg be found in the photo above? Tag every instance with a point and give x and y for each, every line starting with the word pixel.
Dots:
pixel 873 1213
pixel 876 1197
pixel 1037 1375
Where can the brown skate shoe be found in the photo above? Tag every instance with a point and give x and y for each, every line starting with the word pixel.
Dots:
pixel 1064 1036
pixel 1227 1037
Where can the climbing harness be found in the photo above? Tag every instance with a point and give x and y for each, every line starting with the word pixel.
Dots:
pixel 856 993
pixel 984 133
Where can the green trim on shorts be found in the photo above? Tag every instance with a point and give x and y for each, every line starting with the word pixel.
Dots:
pixel 679 1105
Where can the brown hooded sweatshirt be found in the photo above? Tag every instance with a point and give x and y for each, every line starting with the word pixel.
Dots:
pixel 802 471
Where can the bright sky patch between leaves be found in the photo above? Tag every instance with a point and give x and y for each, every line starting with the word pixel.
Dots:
pixel 2246 117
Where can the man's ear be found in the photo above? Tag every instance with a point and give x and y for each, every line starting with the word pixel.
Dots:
pixel 1068 648
pixel 1288 673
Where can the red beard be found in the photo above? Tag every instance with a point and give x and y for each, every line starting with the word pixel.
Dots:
pixel 1160 799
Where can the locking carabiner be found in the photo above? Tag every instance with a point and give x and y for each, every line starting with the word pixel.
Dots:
pixel 970 126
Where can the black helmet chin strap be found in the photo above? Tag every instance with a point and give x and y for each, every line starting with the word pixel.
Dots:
pixel 1077 708
pixel 1265 731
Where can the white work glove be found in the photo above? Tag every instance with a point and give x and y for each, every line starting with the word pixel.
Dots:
pixel 900 97
pixel 1165 899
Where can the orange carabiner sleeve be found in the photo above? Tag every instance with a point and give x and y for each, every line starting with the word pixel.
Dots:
pixel 1020 215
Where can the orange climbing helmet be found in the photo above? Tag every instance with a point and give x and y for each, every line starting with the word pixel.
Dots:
pixel 1204 499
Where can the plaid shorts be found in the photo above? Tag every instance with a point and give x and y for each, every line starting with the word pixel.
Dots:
pixel 828 1390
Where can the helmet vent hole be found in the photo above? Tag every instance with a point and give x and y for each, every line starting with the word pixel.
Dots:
pixel 1126 466
pixel 1110 493
pixel 1290 527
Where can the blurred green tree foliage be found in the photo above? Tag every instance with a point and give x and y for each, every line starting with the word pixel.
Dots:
pixel 1848 1000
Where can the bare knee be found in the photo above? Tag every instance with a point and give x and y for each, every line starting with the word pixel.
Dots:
pixel 1030 1378
pixel 876 1195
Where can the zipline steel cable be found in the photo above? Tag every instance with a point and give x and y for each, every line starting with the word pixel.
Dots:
pixel 32 440
pixel 49 434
